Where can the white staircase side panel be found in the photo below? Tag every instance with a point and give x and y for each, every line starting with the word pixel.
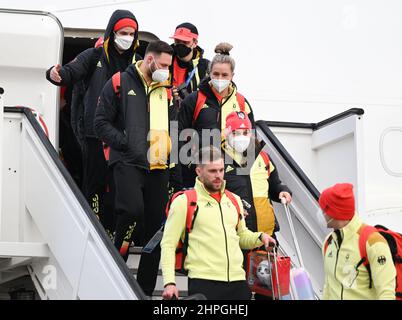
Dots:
pixel 10 206
pixel 78 263
pixel 338 150
pixel 35 43
pixel 303 210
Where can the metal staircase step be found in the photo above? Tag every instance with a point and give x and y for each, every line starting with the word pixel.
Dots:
pixel 181 280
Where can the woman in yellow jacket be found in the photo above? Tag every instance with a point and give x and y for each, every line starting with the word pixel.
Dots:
pixel 346 278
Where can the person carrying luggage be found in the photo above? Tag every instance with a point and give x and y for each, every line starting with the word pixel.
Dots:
pixel 213 255
pixel 257 183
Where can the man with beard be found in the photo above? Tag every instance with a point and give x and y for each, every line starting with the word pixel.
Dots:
pixel 213 247
pixel 132 117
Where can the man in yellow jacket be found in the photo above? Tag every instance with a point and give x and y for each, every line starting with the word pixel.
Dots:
pixel 346 278
pixel 214 257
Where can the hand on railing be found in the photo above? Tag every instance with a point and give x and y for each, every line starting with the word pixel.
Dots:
pixel 285 197
pixel 170 292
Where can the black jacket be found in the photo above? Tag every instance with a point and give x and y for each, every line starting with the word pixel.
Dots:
pixel 208 118
pixel 123 120
pixel 91 69
pixel 240 184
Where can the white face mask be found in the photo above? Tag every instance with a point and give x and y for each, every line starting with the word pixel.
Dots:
pixel 239 143
pixel 220 84
pixel 322 222
pixel 123 42
pixel 160 75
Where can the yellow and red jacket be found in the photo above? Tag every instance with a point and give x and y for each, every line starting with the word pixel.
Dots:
pixel 215 242
pixel 258 185
pixel 345 279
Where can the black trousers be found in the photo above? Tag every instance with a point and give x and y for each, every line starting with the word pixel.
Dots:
pixel 141 198
pixel 108 218
pixel 219 290
pixel 98 184
pixel 94 174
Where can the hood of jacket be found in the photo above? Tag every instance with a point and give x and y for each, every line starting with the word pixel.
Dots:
pixel 109 34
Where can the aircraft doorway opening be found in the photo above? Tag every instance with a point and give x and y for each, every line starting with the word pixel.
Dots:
pixel 75 42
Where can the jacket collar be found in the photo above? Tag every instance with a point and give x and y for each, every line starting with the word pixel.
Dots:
pixel 154 84
pixel 352 228
pixel 240 159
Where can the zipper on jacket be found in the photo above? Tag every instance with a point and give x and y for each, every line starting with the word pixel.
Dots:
pixel 226 239
pixel 253 211
pixel 149 94
pixel 338 245
pixel 221 105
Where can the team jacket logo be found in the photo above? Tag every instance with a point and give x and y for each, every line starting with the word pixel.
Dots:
pixel 228 169
pixel 381 260
pixel 208 205
pixel 99 65
pixel 131 93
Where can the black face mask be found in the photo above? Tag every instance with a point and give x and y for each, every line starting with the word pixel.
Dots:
pixel 181 50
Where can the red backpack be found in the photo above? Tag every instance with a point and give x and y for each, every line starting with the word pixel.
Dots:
pixel 394 241
pixel 192 210
pixel 201 98
pixel 265 157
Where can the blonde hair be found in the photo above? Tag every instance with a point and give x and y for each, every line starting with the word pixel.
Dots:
pixel 222 56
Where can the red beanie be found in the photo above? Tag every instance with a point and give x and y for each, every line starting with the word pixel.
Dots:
pixel 125 22
pixel 338 201
pixel 237 120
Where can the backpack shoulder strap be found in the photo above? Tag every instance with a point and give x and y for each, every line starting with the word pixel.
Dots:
pixel 116 82
pixel 169 95
pixel 241 101
pixel 327 243
pixel 191 208
pixel 235 203
pixel 168 205
pixel 365 232
pixel 265 157
pixel 201 98
pixel 191 196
